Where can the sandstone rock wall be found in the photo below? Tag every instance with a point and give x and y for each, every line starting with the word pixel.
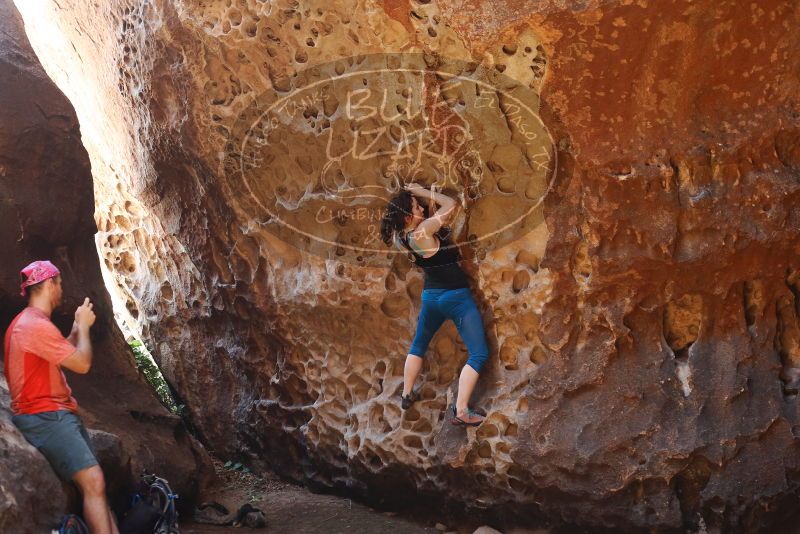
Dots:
pixel 46 212
pixel 643 327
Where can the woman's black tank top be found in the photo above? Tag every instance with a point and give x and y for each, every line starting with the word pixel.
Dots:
pixel 441 270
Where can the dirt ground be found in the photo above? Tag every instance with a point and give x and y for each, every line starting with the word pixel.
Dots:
pixel 297 510
pixel 291 508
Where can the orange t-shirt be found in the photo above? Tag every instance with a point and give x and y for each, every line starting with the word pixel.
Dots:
pixel 34 348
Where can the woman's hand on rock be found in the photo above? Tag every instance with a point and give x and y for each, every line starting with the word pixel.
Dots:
pixel 414 188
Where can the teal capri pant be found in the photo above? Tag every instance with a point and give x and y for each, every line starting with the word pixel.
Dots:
pixel 438 305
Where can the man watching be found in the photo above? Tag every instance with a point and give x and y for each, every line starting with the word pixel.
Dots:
pixel 44 409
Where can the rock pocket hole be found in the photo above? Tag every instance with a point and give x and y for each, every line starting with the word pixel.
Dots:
pixel 487 430
pixel 754 304
pixel 412 414
pixel 537 355
pixel 412 441
pixel 516 485
pixel 423 426
pixel 681 325
pixel 788 344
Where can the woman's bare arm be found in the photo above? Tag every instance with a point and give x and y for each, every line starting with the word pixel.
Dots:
pixel 429 226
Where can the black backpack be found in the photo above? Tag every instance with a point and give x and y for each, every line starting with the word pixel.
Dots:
pixel 152 509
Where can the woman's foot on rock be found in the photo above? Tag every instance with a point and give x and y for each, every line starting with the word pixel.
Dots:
pixel 407 400
pixel 467 418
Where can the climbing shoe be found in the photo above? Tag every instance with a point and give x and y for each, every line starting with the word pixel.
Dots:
pixel 407 400
pixel 467 418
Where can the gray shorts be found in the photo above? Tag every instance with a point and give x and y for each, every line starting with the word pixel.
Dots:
pixel 61 437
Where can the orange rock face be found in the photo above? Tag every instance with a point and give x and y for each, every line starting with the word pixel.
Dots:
pixel 628 178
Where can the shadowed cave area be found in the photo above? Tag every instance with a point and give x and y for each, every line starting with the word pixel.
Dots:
pixel 212 174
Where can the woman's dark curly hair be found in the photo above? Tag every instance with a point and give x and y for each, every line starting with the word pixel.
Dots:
pixel 394 219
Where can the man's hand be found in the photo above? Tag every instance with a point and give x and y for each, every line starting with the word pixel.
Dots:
pixel 84 315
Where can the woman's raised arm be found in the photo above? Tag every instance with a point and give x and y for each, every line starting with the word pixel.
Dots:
pixel 447 207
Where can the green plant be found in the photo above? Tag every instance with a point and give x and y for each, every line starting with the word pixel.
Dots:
pixel 147 366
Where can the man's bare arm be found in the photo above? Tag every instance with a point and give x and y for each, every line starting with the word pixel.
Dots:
pixel 73 335
pixel 80 361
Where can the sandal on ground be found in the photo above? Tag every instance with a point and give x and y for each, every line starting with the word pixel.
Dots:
pixel 468 418
pixel 407 400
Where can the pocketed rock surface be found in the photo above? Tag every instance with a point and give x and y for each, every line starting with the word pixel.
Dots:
pixel 643 321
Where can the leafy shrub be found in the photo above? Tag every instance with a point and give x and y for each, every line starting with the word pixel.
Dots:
pixel 147 366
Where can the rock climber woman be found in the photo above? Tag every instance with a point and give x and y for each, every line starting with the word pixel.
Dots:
pixel 445 295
